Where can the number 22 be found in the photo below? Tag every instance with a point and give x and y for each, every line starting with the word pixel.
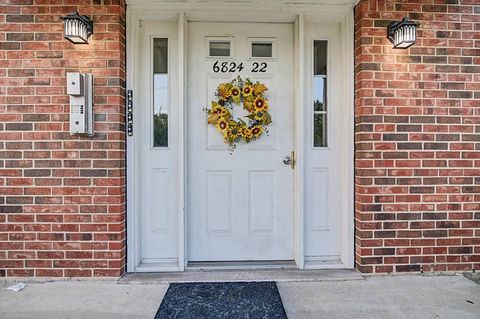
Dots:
pixel 257 68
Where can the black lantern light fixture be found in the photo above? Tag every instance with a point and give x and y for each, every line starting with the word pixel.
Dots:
pixel 77 28
pixel 402 34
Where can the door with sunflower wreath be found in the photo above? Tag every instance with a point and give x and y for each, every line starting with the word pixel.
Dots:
pixel 240 202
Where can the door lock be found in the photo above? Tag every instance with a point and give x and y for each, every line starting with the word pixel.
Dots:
pixel 290 160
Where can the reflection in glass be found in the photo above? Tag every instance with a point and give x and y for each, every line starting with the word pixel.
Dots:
pixel 320 93
pixel 160 92
pixel 219 48
pixel 319 134
pixel 262 50
pixel 319 89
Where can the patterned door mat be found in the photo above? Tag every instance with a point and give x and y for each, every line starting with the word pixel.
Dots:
pixel 212 300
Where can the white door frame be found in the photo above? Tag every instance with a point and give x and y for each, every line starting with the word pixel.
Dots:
pixel 269 11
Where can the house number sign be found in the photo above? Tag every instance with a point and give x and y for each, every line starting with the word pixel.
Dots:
pixel 232 67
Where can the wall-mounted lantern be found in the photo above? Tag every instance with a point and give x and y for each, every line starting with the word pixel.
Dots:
pixel 77 28
pixel 402 34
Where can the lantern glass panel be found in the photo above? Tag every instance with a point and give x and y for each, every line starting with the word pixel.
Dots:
pixel 402 34
pixel 76 31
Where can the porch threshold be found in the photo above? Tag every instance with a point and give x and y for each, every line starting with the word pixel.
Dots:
pixel 278 275
pixel 241 265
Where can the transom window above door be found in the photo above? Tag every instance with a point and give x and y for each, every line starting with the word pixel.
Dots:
pixel 220 47
pixel 262 48
pixel 224 48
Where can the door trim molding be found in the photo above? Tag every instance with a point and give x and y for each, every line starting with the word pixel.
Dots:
pixel 299 48
pixel 182 225
pixel 299 16
pixel 132 50
pixel 348 32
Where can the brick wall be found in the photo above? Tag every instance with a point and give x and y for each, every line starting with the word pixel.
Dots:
pixel 417 138
pixel 61 197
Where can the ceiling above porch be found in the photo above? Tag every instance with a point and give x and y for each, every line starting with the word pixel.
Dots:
pixel 319 11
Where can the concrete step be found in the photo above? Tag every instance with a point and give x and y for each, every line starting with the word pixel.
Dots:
pixel 279 275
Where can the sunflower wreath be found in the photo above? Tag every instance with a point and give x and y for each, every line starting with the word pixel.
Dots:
pixel 251 96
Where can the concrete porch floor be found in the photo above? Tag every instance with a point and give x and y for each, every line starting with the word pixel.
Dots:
pixel 349 296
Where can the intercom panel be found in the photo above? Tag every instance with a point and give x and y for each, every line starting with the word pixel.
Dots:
pixel 80 89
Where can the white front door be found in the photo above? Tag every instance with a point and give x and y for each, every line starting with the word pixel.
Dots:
pixel 240 205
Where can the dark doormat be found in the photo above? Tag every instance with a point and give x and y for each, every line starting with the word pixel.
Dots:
pixel 232 300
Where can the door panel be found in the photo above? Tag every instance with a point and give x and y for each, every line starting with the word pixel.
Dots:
pixel 240 205
pixel 262 199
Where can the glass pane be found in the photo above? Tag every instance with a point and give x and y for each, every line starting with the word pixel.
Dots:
pixel 160 56
pixel 319 130
pixel 320 93
pixel 262 50
pixel 160 93
pixel 320 57
pixel 219 48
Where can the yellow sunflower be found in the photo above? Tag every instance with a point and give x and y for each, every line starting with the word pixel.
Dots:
pixel 241 129
pixel 222 125
pixel 247 134
pixel 232 133
pixel 236 94
pixel 257 131
pixel 259 115
pixel 247 91
pixel 260 104
pixel 219 109
pixel 225 91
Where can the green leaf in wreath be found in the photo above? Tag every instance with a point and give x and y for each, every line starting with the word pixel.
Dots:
pixel 267 119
